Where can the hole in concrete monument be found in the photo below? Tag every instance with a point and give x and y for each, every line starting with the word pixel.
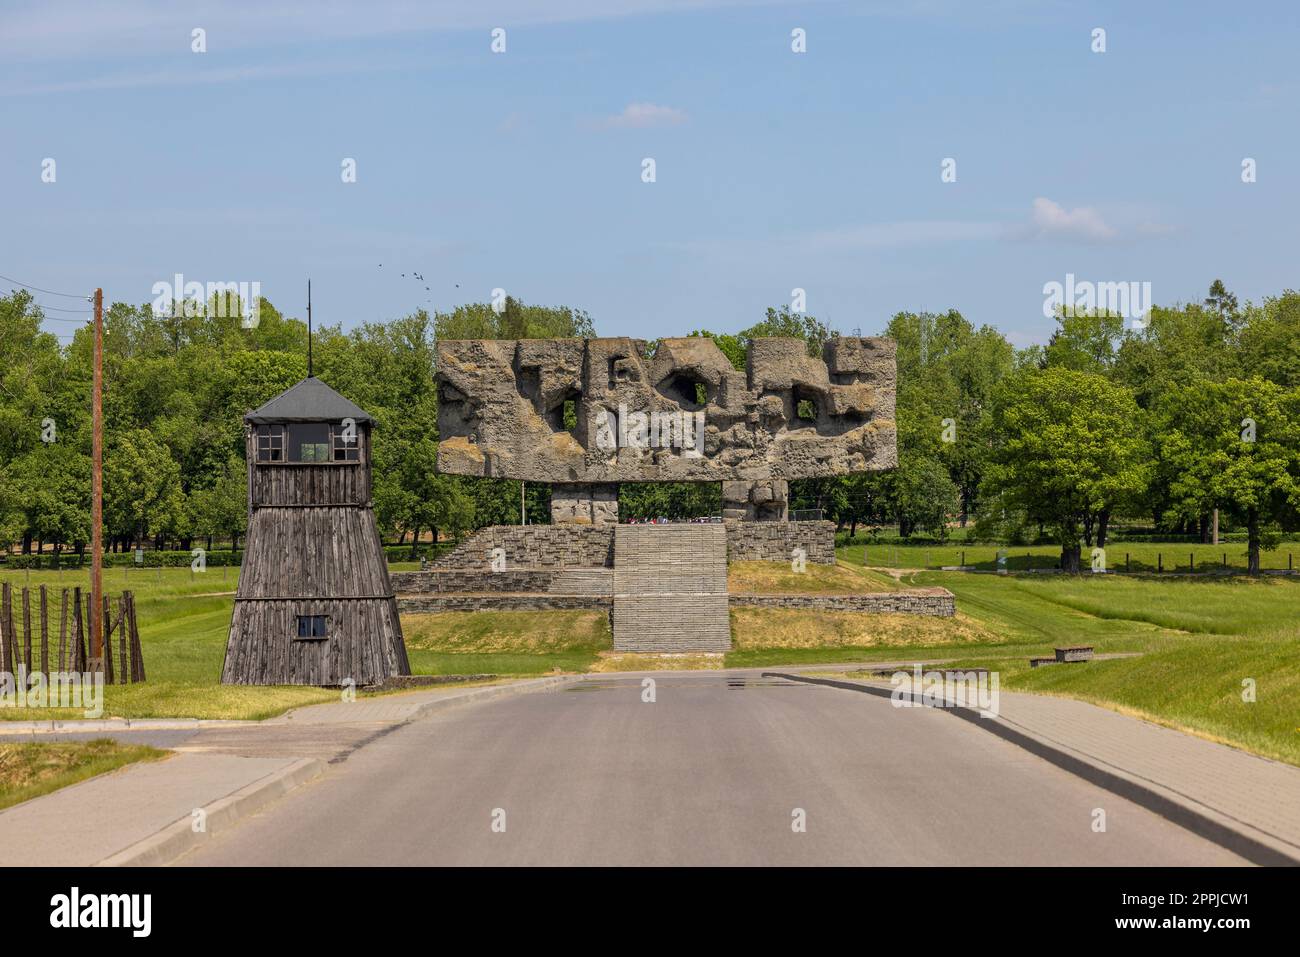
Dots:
pixel 805 408
pixel 687 391
pixel 528 383
pixel 563 416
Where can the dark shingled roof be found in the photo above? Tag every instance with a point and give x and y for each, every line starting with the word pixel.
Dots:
pixel 311 400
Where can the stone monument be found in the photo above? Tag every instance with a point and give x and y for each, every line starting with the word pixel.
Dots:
pixel 587 414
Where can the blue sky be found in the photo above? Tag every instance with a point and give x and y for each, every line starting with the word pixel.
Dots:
pixel 775 170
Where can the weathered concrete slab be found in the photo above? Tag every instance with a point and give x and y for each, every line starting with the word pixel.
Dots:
pixel 592 412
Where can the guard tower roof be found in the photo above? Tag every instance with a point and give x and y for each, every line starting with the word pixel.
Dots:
pixel 311 400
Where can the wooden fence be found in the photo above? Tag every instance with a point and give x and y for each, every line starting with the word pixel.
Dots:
pixel 123 662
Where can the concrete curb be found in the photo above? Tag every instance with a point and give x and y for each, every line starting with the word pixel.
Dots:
pixel 80 726
pixel 174 840
pixel 1239 837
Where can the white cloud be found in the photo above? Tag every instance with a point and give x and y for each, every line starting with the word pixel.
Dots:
pixel 1050 220
pixel 637 116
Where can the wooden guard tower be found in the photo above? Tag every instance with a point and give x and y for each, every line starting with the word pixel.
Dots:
pixel 314 606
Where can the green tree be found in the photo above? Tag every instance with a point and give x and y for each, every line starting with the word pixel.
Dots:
pixel 219 509
pixel 142 487
pixel 1069 449
pixel 1234 445
pixel 925 496
pixel 1086 341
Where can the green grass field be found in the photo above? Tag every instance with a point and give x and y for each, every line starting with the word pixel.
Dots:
pixel 183 620
pixel 505 642
pixel 1198 640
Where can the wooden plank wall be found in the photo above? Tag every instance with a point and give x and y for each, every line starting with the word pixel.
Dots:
pixel 312 561
pixel 364 644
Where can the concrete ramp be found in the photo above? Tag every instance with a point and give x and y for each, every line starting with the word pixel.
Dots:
pixel 670 588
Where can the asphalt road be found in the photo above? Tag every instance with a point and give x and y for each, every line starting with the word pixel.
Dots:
pixel 710 773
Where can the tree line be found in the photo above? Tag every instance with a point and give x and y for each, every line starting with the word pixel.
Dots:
pixel 1196 410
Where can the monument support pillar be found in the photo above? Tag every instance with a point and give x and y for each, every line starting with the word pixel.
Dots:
pixel 764 501
pixel 584 504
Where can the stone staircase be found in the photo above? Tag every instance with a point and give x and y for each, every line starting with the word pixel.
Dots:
pixel 670 588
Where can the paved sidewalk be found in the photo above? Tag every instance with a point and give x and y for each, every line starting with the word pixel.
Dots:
pixel 1251 796
pixel 1248 793
pixel 85 823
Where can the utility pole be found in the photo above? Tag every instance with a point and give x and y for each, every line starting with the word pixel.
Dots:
pixel 97 495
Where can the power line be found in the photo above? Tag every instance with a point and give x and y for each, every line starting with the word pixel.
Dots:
pixel 80 312
pixel 48 292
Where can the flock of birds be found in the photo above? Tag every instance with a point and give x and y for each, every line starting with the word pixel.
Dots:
pixel 420 277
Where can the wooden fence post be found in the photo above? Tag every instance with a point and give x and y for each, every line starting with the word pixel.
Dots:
pixel 124 676
pixel 137 653
pixel 63 633
pixel 45 635
pixel 78 657
pixel 108 641
pixel 6 629
pixel 27 630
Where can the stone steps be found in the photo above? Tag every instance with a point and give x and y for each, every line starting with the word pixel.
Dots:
pixel 670 588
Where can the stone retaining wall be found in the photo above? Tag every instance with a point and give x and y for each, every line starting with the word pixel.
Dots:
pixel 431 604
pixel 592 546
pixel 440 580
pixel 774 541
pixel 916 601
pixel 938 602
pixel 536 546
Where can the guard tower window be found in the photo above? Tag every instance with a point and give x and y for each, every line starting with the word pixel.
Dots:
pixel 313 627
pixel 270 443
pixel 345 445
pixel 309 442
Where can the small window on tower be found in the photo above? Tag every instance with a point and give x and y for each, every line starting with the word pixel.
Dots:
pixel 270 443
pixel 345 444
pixel 313 627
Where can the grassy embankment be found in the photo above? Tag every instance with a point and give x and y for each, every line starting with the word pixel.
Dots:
pixel 1198 639
pixel 30 770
